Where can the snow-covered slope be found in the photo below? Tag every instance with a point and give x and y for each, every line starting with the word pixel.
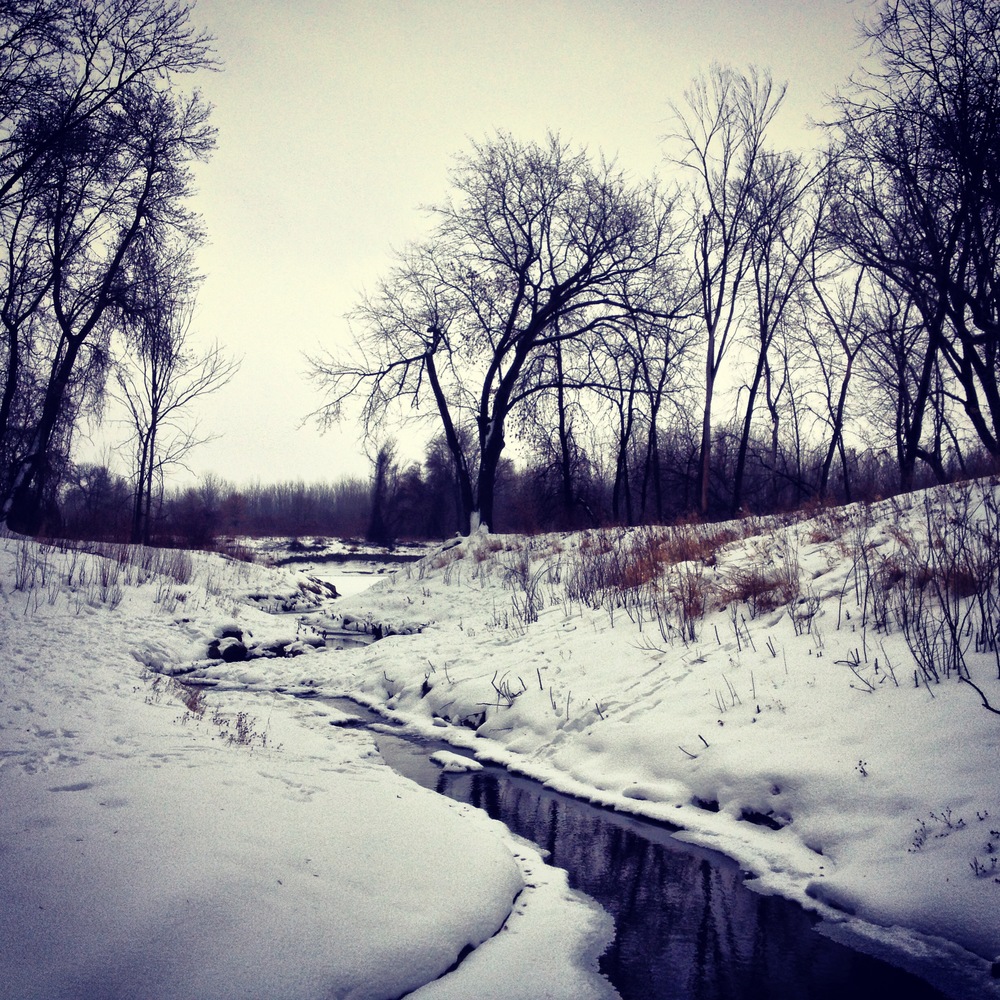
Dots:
pixel 812 698
pixel 790 695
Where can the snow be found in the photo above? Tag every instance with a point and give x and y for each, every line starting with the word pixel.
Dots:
pixel 160 842
pixel 236 836
pixel 794 738
pixel 455 762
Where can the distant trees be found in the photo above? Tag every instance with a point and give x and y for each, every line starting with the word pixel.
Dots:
pixel 538 249
pixel 285 508
pixel 383 482
pixel 94 504
pixel 95 147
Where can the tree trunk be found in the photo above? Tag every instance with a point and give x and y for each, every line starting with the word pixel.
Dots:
pixel 705 459
pixel 914 428
pixel 489 462
pixel 141 487
pixel 24 498
pixel 622 489
pixel 837 437
pixel 565 452
pixel 462 476
pixel 12 376
pixel 741 457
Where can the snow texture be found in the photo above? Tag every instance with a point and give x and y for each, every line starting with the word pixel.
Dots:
pixel 759 693
pixel 161 841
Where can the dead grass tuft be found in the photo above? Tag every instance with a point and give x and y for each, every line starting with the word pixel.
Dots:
pixel 761 588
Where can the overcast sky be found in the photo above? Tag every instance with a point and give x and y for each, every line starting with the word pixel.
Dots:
pixel 338 120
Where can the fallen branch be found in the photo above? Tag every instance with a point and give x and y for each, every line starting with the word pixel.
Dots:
pixel 986 702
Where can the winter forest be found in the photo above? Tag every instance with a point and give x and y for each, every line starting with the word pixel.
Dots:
pixel 757 329
pixel 655 655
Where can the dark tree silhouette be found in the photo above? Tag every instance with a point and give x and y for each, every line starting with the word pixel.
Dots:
pixel 95 146
pixel 919 144
pixel 538 246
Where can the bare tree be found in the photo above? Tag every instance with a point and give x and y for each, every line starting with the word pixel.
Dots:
pixel 901 371
pixel 836 334
pixel 919 137
pixel 94 147
pixel 162 375
pixel 781 233
pixel 720 135
pixel 26 283
pixel 550 423
pixel 617 382
pixel 634 371
pixel 538 246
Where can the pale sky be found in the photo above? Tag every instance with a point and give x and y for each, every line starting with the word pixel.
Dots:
pixel 337 120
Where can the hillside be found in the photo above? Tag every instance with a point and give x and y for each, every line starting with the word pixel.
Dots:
pixel 805 697
pixel 808 697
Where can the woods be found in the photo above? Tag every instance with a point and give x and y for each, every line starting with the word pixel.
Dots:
pixel 766 327
pixel 97 140
pixel 757 328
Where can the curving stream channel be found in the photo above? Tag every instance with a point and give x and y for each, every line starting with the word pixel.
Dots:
pixel 687 925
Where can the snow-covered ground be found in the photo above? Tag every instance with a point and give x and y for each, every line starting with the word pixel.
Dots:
pixel 156 844
pixel 753 683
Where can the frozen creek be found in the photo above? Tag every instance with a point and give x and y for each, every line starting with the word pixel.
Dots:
pixel 687 924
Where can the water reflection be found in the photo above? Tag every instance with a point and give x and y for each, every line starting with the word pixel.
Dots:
pixel 687 926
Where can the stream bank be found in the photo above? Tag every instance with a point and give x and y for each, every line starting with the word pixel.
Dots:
pixel 688 924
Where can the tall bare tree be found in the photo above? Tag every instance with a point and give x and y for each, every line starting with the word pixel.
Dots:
pixel 919 136
pixel 719 136
pixel 538 246
pixel 781 233
pixel 903 374
pixel 161 374
pixel 95 145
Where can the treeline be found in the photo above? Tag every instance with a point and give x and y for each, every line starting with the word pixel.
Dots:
pixel 841 305
pixel 96 504
pixel 763 328
pixel 420 499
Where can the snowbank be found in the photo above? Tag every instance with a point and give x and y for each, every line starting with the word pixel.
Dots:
pixel 791 695
pixel 784 719
pixel 164 843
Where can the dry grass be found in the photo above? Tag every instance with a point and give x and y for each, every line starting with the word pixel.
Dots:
pixel 762 588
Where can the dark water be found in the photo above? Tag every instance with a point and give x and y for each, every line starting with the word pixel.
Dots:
pixel 687 926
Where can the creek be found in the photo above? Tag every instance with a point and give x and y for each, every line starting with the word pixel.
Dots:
pixel 688 926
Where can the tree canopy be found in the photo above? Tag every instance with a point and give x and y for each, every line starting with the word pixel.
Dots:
pixel 538 249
